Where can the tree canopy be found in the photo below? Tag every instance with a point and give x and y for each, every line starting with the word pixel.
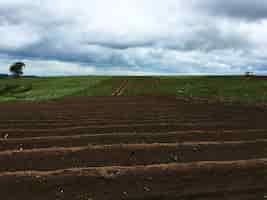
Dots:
pixel 17 69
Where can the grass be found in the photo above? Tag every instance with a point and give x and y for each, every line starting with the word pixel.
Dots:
pixel 37 89
pixel 221 88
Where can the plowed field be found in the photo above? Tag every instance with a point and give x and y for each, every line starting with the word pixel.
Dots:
pixel 139 147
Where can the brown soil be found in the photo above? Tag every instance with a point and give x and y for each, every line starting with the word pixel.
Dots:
pixel 204 180
pixel 130 138
pixel 128 155
pixel 132 148
pixel 118 91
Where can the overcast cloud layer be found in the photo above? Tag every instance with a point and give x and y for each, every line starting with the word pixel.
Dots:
pixel 67 37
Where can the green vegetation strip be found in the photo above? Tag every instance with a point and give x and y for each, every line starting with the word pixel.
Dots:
pixel 215 88
pixel 37 89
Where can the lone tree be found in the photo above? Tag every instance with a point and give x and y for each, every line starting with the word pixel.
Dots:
pixel 248 74
pixel 17 69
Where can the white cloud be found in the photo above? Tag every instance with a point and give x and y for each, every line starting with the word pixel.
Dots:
pixel 132 36
pixel 15 37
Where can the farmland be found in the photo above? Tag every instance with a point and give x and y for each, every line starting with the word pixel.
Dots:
pixel 238 89
pixel 133 138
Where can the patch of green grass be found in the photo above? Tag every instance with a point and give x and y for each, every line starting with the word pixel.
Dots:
pixel 221 88
pixel 37 89
pixel 104 88
pixel 216 88
pixel 232 88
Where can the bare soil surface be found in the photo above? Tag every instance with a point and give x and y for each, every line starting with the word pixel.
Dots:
pixel 94 148
pixel 120 89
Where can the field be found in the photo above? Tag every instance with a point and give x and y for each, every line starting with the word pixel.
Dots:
pixel 112 138
pixel 238 89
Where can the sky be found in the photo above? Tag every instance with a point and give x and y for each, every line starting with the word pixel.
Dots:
pixel 134 37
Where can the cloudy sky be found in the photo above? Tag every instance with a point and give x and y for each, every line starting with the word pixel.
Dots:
pixel 140 37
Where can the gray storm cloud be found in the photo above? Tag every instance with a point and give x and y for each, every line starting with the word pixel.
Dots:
pixel 245 9
pixel 134 36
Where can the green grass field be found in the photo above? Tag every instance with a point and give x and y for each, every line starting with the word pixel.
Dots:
pixel 221 88
pixel 45 88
